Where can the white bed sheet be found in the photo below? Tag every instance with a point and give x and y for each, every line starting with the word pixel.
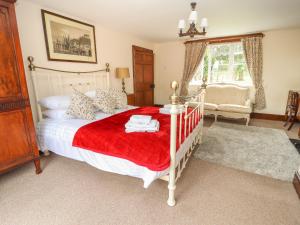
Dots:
pixel 57 136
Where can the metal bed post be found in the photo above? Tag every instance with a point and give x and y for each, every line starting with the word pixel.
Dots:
pixel 174 112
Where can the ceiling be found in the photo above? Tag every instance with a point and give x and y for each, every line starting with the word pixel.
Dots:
pixel 156 20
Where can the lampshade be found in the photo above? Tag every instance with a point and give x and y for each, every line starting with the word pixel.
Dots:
pixel 204 22
pixel 122 73
pixel 181 24
pixel 193 17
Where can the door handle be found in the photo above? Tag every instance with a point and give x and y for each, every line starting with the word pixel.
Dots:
pixel 152 86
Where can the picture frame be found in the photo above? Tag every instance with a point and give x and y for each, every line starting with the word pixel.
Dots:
pixel 68 40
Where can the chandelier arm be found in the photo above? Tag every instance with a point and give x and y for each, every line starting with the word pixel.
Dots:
pixel 191 32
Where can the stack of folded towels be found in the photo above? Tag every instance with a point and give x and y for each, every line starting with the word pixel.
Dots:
pixel 141 123
pixel 166 109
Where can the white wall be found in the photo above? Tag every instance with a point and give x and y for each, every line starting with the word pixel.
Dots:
pixel 169 61
pixel 281 57
pixel 281 67
pixel 112 47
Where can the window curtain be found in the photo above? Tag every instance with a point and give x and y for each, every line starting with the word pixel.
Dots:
pixel 194 52
pixel 254 59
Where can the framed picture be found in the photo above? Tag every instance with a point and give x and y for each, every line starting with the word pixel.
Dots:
pixel 69 40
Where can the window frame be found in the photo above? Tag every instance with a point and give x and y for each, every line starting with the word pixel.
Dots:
pixel 231 64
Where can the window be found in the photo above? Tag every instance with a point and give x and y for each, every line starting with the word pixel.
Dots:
pixel 223 63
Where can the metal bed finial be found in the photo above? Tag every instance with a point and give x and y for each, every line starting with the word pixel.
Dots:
pixel 174 97
pixel 107 67
pixel 31 66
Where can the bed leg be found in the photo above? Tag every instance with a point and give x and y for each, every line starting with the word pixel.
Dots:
pixel 171 200
pixel 46 153
pixel 200 138
pixel 200 132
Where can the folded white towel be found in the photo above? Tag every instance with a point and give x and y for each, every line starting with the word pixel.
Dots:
pixel 140 119
pixel 151 124
pixel 152 127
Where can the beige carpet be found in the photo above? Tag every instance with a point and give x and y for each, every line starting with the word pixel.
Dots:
pixel 74 193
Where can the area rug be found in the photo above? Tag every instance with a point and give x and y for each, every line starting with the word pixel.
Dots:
pixel 263 151
pixel 296 143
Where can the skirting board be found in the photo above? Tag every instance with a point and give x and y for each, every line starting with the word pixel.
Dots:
pixel 296 183
pixel 265 116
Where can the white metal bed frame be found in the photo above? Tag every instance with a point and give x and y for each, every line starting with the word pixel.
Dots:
pixel 187 118
pixel 62 82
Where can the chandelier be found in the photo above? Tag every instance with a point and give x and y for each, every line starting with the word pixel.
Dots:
pixel 192 31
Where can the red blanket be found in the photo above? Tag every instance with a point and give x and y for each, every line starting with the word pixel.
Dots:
pixel 108 137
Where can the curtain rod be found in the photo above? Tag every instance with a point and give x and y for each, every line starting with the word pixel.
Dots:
pixel 233 38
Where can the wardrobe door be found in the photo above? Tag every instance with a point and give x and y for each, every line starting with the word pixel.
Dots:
pixel 15 145
pixel 17 135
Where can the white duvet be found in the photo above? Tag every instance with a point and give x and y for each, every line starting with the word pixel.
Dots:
pixel 57 136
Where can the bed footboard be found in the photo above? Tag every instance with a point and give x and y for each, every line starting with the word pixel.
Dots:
pixel 192 119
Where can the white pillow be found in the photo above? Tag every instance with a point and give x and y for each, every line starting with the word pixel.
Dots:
pixel 57 114
pixel 56 102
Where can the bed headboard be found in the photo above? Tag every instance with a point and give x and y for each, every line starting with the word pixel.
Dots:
pixel 49 82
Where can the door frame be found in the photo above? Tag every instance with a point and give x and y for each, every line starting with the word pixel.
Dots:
pixel 138 48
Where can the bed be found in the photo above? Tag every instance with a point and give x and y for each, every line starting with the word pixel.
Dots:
pixel 57 136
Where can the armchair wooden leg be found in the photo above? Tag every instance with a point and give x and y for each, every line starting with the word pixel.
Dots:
pixel 287 121
pixel 247 121
pixel 292 122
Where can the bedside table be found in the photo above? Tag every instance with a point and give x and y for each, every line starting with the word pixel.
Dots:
pixel 130 99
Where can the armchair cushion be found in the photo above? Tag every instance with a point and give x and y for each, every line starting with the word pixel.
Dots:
pixel 234 108
pixel 210 106
pixel 226 94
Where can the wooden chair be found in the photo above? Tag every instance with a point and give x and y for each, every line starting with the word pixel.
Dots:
pixel 292 109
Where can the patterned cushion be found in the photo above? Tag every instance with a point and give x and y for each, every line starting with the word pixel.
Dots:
pixel 105 102
pixel 120 97
pixel 81 106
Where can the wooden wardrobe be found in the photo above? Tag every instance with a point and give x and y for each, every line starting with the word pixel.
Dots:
pixel 17 135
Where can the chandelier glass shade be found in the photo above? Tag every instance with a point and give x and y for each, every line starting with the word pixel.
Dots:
pixel 193 20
